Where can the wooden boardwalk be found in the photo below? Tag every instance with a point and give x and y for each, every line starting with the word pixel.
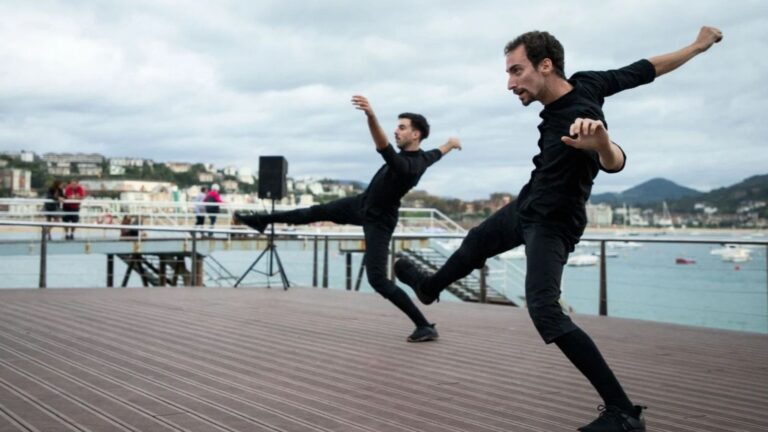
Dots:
pixel 191 359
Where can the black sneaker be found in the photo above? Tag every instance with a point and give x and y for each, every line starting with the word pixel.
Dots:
pixel 424 334
pixel 410 274
pixel 253 220
pixel 612 419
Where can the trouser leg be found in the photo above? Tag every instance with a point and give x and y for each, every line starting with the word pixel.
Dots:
pixel 547 252
pixel 497 234
pixel 345 211
pixel 377 238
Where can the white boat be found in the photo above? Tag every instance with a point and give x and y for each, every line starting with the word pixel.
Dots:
pixel 736 255
pixel 625 245
pixel 608 254
pixel 580 260
pixel 729 249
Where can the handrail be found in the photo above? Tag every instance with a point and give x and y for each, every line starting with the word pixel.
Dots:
pixel 172 211
pixel 358 234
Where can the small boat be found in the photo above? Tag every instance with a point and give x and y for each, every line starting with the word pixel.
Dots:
pixel 729 249
pixel 608 254
pixel 736 255
pixel 582 260
pixel 681 260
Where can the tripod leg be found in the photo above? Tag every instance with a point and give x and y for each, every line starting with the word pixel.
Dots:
pixel 251 267
pixel 280 269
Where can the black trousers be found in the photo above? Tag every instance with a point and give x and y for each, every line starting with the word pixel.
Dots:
pixel 546 248
pixel 378 229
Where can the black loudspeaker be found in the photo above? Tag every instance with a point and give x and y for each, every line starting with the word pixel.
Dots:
pixel 272 177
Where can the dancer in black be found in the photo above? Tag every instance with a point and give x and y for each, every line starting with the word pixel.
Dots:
pixel 549 214
pixel 376 209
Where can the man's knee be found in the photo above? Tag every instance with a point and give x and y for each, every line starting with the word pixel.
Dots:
pixel 471 250
pixel 380 283
pixel 550 321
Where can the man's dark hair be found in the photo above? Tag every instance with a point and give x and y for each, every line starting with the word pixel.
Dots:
pixel 539 46
pixel 418 122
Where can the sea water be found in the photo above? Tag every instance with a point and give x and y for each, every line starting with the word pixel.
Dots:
pixel 642 282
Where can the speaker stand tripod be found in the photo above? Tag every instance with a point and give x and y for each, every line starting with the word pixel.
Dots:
pixel 273 257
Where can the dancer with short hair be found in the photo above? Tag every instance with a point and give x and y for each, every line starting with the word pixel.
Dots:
pixel 376 209
pixel 549 214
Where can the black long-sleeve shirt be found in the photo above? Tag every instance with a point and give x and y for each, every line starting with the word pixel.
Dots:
pixel 395 178
pixel 561 182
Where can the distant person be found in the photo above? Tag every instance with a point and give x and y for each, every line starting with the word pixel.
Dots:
pixel 212 207
pixel 376 209
pixel 74 193
pixel 549 214
pixel 54 199
pixel 129 233
pixel 200 207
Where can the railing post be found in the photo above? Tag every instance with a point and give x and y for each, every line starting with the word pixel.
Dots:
pixel 194 259
pixel 325 263
pixel 483 286
pixel 603 282
pixel 44 256
pixel 314 264
pixel 766 285
pixel 110 270
pixel 349 271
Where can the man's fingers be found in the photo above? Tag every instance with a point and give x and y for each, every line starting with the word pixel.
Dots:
pixel 568 141
pixel 593 127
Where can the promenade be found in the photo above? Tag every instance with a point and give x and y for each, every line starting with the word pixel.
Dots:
pixel 309 359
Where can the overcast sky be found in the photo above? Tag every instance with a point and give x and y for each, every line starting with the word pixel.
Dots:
pixel 227 81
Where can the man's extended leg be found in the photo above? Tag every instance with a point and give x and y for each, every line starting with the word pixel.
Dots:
pixel 547 252
pixel 377 237
pixel 341 211
pixel 497 234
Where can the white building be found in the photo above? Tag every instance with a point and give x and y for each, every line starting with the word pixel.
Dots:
pixel 126 186
pixel 89 169
pixel 245 175
pixel 600 215
pixel 229 186
pixel 59 169
pixel 26 156
pixel 205 177
pixel 306 200
pixel 71 158
pixel 128 162
pixel 116 170
pixel 16 182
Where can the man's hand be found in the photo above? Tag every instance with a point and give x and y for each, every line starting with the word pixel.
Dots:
pixel 377 133
pixel 361 103
pixel 707 37
pixel 452 143
pixel 590 135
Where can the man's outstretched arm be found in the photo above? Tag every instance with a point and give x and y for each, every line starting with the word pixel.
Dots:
pixel 669 62
pixel 377 133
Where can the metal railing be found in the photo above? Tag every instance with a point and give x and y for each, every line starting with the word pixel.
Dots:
pixel 321 239
pixel 183 213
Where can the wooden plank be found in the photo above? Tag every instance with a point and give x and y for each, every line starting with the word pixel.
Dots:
pixel 330 360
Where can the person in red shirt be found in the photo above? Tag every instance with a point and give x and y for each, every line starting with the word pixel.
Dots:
pixel 212 200
pixel 74 193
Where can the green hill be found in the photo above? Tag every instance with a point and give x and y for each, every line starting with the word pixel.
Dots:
pixel 650 192
pixel 728 199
